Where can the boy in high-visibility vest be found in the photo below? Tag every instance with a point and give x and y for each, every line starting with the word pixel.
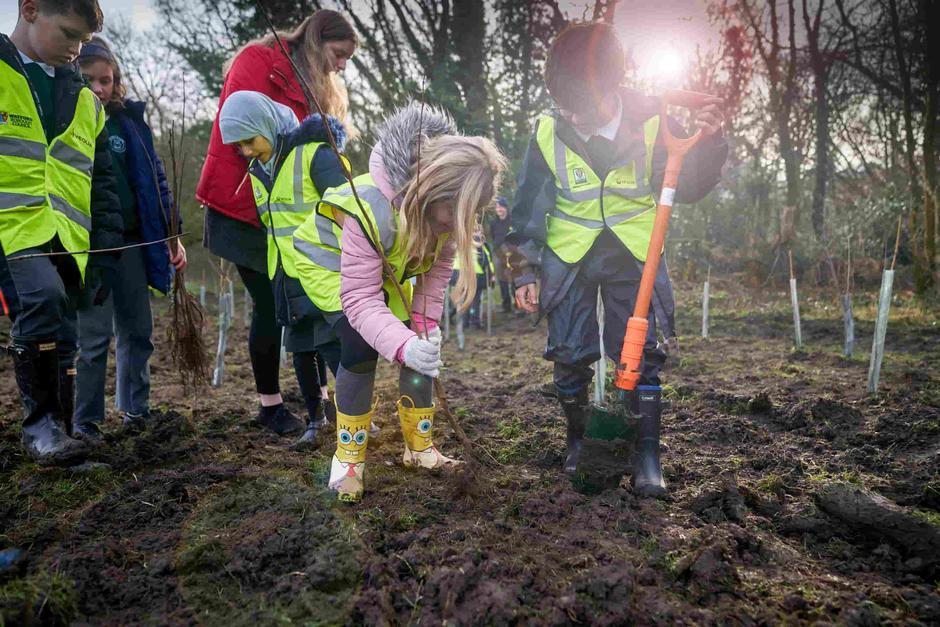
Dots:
pixel 57 195
pixel 582 220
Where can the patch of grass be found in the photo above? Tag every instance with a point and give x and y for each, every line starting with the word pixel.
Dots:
pixel 41 598
pixel 405 521
pixel 928 516
pixel 56 491
pixel 771 484
pixel 319 468
pixel 821 475
pixel 204 554
pixel 510 429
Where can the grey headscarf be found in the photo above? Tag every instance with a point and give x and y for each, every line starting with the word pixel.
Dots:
pixel 246 114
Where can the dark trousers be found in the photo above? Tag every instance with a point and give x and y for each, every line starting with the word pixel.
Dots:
pixel 125 315
pixel 264 336
pixel 573 332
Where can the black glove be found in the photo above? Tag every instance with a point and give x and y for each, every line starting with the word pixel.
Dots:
pixel 106 277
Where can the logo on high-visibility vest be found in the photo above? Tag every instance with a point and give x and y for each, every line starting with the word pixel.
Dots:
pixel 23 121
pixel 580 177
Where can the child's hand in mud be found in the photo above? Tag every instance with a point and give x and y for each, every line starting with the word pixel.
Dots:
pixel 527 298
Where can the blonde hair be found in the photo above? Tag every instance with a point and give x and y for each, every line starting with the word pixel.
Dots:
pixel 305 44
pixel 463 171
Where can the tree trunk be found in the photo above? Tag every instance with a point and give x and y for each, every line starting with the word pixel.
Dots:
pixel 910 152
pixel 469 29
pixel 931 15
pixel 820 94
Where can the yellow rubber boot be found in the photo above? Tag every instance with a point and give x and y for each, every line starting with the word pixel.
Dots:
pixel 417 426
pixel 349 461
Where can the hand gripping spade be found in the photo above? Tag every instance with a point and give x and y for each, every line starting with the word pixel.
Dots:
pixel 611 433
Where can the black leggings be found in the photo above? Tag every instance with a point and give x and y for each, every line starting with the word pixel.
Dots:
pixel 356 355
pixel 264 337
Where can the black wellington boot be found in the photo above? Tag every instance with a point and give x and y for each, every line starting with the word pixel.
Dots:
pixel 647 469
pixel 577 409
pixel 45 435
pixel 67 388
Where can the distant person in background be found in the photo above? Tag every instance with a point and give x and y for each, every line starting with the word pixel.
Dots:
pixel 483 270
pixel 320 47
pixel 146 209
pixel 499 226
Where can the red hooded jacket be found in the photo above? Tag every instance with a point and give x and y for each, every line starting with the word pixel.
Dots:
pixel 256 68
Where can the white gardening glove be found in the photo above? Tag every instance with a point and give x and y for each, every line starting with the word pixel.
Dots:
pixel 423 356
pixel 434 336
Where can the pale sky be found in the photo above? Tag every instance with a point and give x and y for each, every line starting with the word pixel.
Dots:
pixel 139 11
pixel 662 34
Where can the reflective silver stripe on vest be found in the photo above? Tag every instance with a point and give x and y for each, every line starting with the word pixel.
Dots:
pixel 586 195
pixel 325 231
pixel 623 217
pixel 69 156
pixel 23 148
pixel 590 224
pixel 630 192
pixel 318 255
pixel 283 231
pixel 62 206
pixel 286 207
pixel 381 209
pixel 9 200
pixel 561 164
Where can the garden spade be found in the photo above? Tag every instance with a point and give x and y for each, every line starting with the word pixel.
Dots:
pixel 612 428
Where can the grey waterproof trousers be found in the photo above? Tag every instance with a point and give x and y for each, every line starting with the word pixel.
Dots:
pixel 569 296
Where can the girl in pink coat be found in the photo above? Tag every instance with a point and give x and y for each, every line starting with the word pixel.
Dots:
pixel 419 213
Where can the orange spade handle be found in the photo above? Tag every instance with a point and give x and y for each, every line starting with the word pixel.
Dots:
pixel 631 355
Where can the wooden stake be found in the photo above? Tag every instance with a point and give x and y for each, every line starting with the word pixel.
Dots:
pixel 897 242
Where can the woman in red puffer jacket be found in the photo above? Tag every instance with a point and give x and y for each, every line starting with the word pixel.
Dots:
pixel 320 48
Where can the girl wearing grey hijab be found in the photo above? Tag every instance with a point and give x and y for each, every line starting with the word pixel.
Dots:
pixel 254 122
pixel 269 136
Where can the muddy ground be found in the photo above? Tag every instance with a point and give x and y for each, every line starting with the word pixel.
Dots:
pixel 203 519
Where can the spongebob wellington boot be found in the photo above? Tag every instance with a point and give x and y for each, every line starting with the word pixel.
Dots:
pixel 417 426
pixel 349 461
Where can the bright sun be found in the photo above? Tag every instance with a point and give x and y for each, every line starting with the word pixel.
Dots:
pixel 665 65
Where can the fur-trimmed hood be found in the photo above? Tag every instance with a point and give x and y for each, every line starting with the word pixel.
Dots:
pixel 312 129
pixel 398 136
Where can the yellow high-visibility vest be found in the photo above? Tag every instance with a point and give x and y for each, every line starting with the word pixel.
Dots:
pixel 585 205
pixel 318 262
pixel 292 199
pixel 45 186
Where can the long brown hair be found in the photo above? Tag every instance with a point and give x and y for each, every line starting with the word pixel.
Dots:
pixel 465 172
pixel 306 48
pixel 97 48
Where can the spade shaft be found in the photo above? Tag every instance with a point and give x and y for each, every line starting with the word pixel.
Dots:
pixel 631 356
